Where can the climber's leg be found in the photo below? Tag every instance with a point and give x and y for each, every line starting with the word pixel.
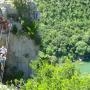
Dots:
pixel 2 65
pixel 0 73
pixel 2 69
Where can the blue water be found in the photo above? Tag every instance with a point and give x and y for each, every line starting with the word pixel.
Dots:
pixel 83 66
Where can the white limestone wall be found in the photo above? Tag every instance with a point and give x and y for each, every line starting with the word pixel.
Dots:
pixel 21 51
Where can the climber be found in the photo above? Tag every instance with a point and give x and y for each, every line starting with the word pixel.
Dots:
pixel 4 24
pixel 2 59
pixel 3 51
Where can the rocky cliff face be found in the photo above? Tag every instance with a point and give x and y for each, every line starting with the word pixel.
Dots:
pixel 21 49
pixel 20 52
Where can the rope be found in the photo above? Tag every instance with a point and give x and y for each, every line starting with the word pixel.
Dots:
pixel 1 33
pixel 7 39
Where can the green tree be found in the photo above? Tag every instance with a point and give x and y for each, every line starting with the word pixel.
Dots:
pixel 81 48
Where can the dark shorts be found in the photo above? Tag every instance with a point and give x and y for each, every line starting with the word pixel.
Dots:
pixel 2 61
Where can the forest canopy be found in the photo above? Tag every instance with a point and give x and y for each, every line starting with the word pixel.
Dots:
pixel 65 28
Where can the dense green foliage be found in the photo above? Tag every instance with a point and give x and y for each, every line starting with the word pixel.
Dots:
pixel 56 77
pixel 48 76
pixel 65 28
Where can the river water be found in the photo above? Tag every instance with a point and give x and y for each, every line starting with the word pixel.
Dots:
pixel 84 67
